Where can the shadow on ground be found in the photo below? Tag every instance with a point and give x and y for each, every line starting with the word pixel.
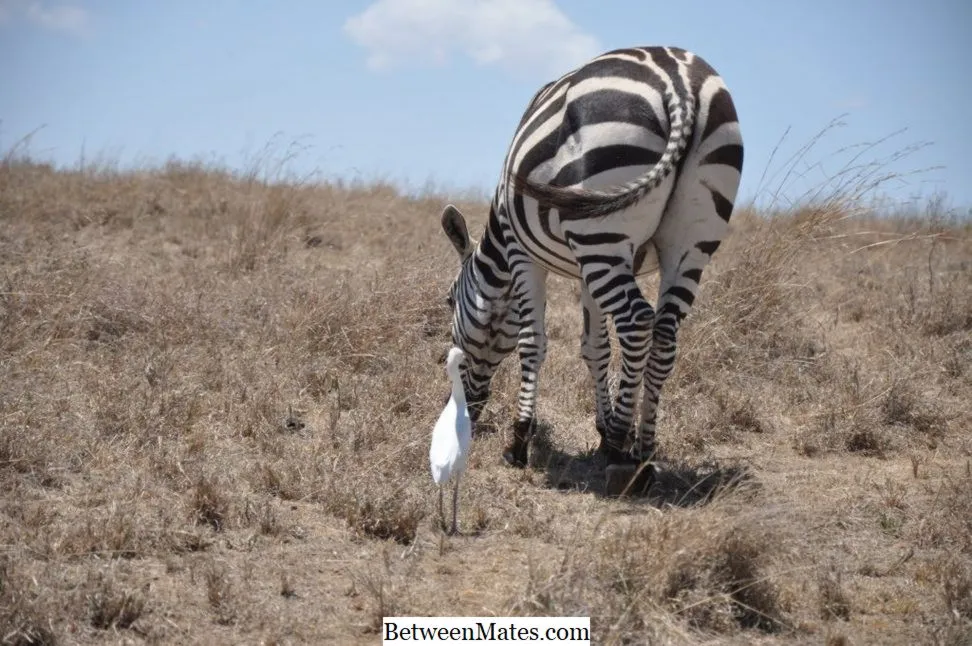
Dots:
pixel 677 484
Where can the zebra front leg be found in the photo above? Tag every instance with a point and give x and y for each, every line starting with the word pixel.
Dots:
pixel 531 299
pixel 596 352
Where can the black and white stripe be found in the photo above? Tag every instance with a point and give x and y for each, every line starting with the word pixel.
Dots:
pixel 636 152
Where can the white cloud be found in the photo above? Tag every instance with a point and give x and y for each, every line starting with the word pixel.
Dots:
pixel 65 18
pixel 522 36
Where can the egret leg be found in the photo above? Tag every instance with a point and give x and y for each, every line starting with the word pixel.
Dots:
pixel 441 512
pixel 455 506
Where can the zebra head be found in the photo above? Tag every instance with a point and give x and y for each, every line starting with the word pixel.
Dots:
pixel 483 323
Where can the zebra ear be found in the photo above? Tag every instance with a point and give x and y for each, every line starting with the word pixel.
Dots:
pixel 454 226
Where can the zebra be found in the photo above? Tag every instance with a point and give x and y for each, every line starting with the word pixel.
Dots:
pixel 626 165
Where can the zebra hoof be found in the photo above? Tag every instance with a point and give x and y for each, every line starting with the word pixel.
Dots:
pixel 627 479
pixel 602 447
pixel 516 453
pixel 601 430
pixel 615 456
pixel 516 456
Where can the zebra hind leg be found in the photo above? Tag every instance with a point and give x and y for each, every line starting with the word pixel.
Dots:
pixel 596 352
pixel 613 287
pixel 634 321
pixel 681 272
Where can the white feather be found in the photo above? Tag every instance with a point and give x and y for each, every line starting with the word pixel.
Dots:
pixel 453 431
pixel 452 434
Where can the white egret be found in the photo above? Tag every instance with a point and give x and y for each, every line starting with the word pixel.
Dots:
pixel 451 438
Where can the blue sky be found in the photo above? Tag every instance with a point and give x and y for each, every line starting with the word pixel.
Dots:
pixel 414 91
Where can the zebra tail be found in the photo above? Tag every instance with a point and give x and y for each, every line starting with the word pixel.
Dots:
pixel 581 203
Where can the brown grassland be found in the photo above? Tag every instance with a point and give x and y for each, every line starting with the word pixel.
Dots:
pixel 216 397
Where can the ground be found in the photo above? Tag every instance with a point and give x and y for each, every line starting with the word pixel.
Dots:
pixel 217 393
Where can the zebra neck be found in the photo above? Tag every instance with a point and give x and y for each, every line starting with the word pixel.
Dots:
pixel 490 262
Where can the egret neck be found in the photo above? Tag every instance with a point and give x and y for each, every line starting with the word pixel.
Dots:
pixel 458 394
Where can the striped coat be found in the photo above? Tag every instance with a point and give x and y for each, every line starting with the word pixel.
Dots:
pixel 630 163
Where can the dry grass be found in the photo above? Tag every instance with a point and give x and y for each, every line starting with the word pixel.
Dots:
pixel 216 397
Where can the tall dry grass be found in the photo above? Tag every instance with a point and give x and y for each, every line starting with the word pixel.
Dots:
pixel 216 394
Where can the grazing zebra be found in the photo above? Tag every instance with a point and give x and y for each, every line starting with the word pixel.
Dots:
pixel 638 151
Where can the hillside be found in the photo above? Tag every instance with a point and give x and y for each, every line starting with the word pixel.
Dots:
pixel 216 396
